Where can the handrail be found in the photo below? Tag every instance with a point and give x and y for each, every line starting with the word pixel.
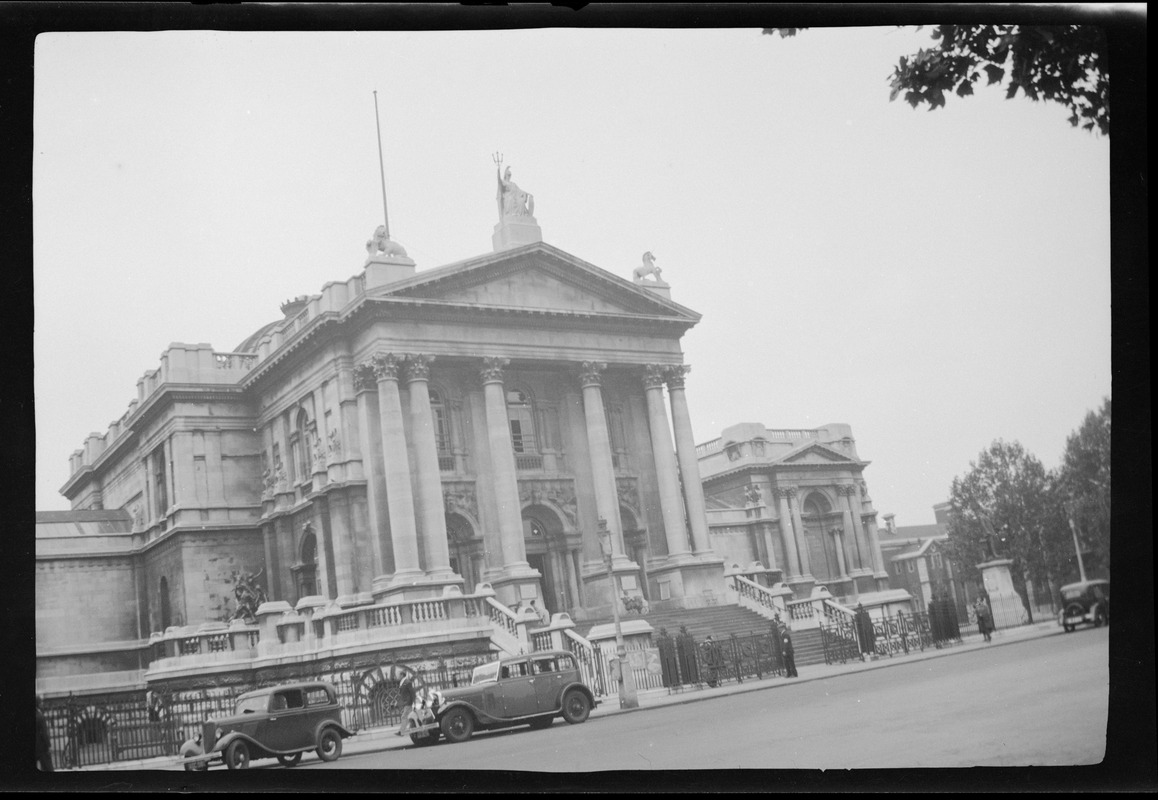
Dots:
pixel 502 616
pixel 761 599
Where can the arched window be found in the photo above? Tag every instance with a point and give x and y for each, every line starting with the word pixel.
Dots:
pixel 305 571
pixel 166 609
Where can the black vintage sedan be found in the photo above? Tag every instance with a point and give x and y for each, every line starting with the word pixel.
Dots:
pixel 1085 602
pixel 530 689
pixel 279 722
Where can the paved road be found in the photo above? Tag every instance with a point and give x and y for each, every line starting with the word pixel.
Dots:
pixel 1042 702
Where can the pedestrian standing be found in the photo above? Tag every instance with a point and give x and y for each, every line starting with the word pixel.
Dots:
pixel 43 742
pixel 789 657
pixel 984 619
pixel 864 632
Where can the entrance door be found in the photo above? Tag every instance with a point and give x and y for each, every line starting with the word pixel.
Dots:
pixel 542 563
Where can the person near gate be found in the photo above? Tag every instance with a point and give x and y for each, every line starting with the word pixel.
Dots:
pixel 43 742
pixel 789 657
pixel 984 618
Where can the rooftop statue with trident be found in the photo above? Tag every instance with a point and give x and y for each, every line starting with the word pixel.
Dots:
pixel 512 201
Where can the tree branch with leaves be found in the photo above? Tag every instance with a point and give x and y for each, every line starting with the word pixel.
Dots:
pixel 1066 64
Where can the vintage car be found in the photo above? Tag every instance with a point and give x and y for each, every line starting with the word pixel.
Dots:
pixel 529 689
pixel 279 722
pixel 1085 602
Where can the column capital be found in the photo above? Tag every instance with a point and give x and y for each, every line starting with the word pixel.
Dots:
pixel 787 492
pixel 492 369
pixel 365 380
pixel 676 374
pixel 654 376
pixel 418 367
pixel 386 366
pixel 837 531
pixel 591 373
pixel 845 489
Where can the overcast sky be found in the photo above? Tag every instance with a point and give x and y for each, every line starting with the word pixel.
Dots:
pixel 935 280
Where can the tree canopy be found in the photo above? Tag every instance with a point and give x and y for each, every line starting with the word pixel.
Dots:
pixel 1083 484
pixel 1004 507
pixel 1065 64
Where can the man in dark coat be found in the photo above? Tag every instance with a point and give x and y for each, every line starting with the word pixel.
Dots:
pixel 789 657
pixel 43 742
pixel 864 631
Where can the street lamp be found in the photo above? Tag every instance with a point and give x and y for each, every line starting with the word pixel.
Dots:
pixel 1077 547
pixel 627 698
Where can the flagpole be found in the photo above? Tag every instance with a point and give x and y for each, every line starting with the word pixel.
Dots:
pixel 381 166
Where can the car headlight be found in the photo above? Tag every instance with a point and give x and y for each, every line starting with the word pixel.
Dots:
pixel 217 734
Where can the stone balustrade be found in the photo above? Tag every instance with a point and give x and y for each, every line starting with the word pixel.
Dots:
pixel 767 601
pixel 317 624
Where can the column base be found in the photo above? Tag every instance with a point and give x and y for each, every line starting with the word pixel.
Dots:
pixel 687 581
pixel 516 584
pixel 801 586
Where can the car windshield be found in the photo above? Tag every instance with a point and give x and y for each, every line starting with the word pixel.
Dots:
pixel 485 674
pixel 252 705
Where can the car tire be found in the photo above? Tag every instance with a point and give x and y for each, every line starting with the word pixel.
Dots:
pixel 576 707
pixel 291 760
pixel 236 755
pixel 457 725
pixel 329 745
pixel 541 723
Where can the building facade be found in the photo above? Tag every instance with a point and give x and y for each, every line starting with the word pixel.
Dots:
pixel 796 502
pixel 400 435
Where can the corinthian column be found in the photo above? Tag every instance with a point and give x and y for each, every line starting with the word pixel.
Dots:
pixel 798 527
pixel 841 557
pixel 366 386
pixel 686 454
pixel 666 470
pixel 866 554
pixel 431 516
pixel 852 525
pixel 792 568
pixel 503 467
pixel 599 450
pixel 396 465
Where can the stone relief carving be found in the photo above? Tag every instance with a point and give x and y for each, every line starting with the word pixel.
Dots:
pixel 558 492
pixel 752 495
pixel 364 378
pixel 460 497
pixel 628 493
pixel 335 444
pixel 248 595
pixel 648 267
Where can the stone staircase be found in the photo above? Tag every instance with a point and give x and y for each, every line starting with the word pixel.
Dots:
pixel 721 622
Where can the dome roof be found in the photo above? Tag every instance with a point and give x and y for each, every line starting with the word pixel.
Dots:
pixel 249 345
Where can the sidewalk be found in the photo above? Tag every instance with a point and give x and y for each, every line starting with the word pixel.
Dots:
pixel 380 739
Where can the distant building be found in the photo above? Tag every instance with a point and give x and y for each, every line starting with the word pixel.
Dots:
pixel 795 500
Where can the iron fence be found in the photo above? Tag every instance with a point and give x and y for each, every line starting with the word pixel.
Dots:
pixel 100 729
pixel 896 635
pixel 684 661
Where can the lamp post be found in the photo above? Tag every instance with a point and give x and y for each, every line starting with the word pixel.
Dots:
pixel 1077 546
pixel 627 697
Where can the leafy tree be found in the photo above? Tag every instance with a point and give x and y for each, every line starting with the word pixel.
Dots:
pixel 1065 64
pixel 1083 485
pixel 1003 507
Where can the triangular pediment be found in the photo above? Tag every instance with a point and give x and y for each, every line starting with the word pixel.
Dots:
pixel 817 453
pixel 537 278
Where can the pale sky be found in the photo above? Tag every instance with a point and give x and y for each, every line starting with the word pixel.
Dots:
pixel 936 280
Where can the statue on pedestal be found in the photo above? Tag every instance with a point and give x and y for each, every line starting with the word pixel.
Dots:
pixel 512 201
pixel 648 267
pixel 249 595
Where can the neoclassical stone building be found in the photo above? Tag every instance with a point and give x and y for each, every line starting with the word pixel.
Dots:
pixel 402 434
pixel 796 501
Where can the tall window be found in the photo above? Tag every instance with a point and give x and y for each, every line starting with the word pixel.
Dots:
pixel 521 416
pixel 160 492
pixel 441 416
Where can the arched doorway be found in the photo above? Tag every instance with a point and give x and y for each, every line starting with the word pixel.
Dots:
pixel 466 551
pixel 306 570
pixel 816 514
pixel 549 551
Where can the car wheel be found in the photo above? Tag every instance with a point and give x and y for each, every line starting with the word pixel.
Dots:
pixel 541 722
pixel 329 745
pixel 457 725
pixel 425 740
pixel 576 707
pixel 1068 628
pixel 237 755
pixel 290 760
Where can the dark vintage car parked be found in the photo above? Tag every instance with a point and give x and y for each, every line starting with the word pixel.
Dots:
pixel 530 689
pixel 1085 602
pixel 279 722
